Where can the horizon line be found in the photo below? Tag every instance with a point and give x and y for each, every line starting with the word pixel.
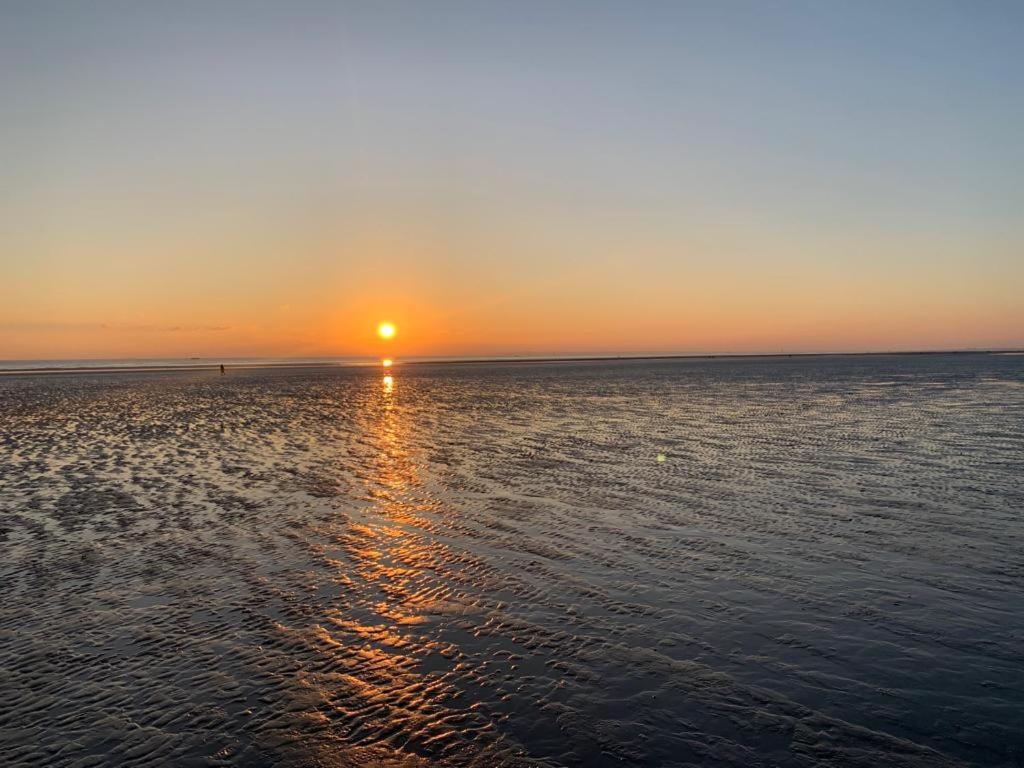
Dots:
pixel 366 361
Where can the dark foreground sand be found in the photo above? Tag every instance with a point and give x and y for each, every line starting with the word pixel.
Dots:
pixel 488 566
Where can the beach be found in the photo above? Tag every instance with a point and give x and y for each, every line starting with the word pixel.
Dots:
pixel 730 562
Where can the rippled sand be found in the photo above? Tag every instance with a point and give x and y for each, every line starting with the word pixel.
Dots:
pixel 488 566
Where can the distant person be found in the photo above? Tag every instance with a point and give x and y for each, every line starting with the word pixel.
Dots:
pixel 222 369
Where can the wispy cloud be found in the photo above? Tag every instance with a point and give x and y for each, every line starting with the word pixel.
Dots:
pixel 44 327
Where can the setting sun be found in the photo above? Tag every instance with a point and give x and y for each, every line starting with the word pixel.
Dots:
pixel 386 330
pixel 387 362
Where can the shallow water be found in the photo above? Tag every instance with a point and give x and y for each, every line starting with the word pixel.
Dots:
pixel 488 565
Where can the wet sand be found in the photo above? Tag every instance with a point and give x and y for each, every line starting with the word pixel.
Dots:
pixel 487 566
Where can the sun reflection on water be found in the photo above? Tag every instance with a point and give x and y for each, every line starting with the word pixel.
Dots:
pixel 394 667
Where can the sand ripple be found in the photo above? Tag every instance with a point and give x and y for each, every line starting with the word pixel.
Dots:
pixel 487 566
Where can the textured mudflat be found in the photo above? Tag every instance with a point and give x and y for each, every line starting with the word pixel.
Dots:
pixel 487 566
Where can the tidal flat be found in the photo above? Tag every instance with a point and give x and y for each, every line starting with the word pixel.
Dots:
pixel 809 561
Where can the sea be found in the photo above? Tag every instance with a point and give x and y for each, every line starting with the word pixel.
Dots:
pixel 751 562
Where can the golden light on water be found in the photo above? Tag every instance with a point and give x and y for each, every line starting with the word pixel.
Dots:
pixel 386 331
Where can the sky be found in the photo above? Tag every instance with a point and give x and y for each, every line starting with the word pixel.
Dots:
pixel 272 179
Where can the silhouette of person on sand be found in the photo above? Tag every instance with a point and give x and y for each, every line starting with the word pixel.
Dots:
pixel 222 369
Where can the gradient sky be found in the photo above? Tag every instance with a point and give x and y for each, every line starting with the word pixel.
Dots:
pixel 248 178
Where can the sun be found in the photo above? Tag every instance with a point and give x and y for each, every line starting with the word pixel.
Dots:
pixel 386 330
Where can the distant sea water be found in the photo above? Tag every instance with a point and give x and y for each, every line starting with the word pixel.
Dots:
pixel 197 363
pixel 174 362
pixel 808 561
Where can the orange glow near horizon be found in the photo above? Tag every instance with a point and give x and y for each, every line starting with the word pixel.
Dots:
pixel 572 311
pixel 576 309
pixel 387 362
